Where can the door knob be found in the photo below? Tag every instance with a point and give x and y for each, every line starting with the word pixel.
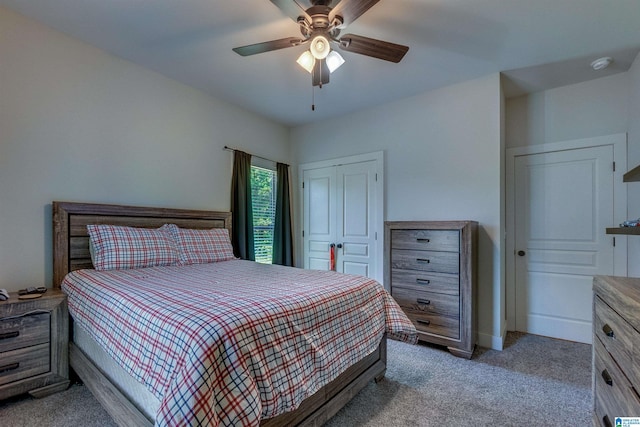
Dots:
pixel 339 245
pixel 521 253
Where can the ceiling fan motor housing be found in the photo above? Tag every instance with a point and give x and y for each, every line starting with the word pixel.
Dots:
pixel 319 16
pixel 320 22
pixel 321 2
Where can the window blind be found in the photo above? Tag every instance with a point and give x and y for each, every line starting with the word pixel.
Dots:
pixel 263 197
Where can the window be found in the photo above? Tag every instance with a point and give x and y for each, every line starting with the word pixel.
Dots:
pixel 263 198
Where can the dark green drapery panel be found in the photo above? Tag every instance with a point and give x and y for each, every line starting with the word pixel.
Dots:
pixel 241 207
pixel 282 233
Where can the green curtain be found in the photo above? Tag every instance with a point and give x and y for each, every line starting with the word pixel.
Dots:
pixel 282 232
pixel 241 208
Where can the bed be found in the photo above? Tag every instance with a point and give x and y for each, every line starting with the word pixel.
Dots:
pixel 123 397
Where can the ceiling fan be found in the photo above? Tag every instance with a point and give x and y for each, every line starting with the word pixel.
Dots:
pixel 320 24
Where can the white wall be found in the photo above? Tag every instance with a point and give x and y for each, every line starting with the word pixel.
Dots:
pixel 593 108
pixel 78 124
pixel 633 160
pixel 442 162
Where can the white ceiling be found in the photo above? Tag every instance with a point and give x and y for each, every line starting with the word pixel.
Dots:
pixel 539 44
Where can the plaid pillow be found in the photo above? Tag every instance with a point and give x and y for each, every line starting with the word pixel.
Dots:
pixel 117 247
pixel 202 246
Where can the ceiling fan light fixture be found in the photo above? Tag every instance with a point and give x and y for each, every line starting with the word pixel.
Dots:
pixel 306 61
pixel 334 61
pixel 320 47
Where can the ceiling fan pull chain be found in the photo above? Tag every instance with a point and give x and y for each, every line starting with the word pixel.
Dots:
pixel 313 99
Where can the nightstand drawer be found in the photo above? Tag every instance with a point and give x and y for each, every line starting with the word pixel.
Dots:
pixel 34 355
pixel 24 362
pixel 438 240
pixel 24 331
pixel 440 262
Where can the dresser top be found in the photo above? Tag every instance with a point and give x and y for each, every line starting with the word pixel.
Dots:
pixel 443 225
pixel 622 294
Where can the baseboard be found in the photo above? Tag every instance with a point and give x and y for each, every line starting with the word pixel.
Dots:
pixel 492 341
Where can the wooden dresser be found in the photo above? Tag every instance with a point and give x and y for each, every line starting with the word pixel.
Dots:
pixel 430 268
pixel 616 348
pixel 34 345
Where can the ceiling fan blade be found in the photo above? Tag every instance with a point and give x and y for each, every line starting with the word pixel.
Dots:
pixel 375 48
pixel 292 9
pixel 350 10
pixel 253 49
pixel 320 75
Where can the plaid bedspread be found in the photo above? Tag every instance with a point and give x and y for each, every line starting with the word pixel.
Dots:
pixel 232 342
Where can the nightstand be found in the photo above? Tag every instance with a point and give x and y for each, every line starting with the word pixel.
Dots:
pixel 34 345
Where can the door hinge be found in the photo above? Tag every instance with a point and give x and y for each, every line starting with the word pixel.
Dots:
pixel 614 242
pixel 302 184
pixel 614 166
pixel 376 237
pixel 376 177
pixel 302 233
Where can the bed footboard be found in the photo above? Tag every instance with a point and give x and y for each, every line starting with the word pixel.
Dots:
pixel 324 404
pixel 314 411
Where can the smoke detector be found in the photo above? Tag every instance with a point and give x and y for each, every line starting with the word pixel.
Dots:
pixel 601 63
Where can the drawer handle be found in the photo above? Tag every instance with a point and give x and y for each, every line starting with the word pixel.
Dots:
pixel 424 322
pixel 423 301
pixel 606 422
pixel 423 260
pixel 607 377
pixel 7 335
pixel 423 281
pixel 10 367
pixel 608 331
pixel 423 240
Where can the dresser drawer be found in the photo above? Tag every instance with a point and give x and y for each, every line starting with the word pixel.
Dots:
pixel 440 240
pixel 615 333
pixel 601 418
pixel 430 312
pixel 24 362
pixel 440 262
pixel 613 391
pixel 441 283
pixel 24 331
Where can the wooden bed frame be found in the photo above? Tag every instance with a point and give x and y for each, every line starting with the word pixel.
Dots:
pixel 71 252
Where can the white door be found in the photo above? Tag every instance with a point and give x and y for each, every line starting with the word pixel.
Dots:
pixel 340 209
pixel 319 229
pixel 356 218
pixel 563 204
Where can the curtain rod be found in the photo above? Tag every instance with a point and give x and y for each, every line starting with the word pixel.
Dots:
pixel 253 155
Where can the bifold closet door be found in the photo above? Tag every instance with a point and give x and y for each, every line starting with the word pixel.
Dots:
pixel 340 210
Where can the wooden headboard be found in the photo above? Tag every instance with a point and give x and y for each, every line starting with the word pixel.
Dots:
pixel 70 220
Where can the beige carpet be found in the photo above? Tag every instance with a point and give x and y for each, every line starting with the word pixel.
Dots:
pixel 535 381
